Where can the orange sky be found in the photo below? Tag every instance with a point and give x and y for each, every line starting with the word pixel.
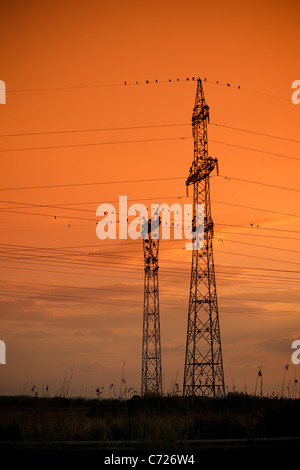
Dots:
pixel 83 315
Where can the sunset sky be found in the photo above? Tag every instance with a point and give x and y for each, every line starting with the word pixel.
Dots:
pixel 71 131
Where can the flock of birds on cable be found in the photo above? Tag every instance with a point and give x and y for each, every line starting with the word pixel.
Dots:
pixel 178 80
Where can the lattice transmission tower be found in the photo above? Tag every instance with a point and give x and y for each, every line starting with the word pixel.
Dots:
pixel 203 374
pixel 151 348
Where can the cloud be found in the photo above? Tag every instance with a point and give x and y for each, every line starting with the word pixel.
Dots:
pixel 33 335
pixel 278 345
pixel 172 349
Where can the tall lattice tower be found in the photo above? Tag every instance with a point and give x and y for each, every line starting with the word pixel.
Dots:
pixel 151 349
pixel 203 374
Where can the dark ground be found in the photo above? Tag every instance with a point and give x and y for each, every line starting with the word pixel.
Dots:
pixel 238 426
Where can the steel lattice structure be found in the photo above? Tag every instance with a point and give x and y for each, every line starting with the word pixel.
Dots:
pixel 203 374
pixel 151 349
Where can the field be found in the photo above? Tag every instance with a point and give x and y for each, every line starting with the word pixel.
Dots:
pixel 152 423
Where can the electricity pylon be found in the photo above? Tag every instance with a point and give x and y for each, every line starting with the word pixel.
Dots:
pixel 151 349
pixel 203 374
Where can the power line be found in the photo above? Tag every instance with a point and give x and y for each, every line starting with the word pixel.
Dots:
pixel 98 274
pixel 93 265
pixel 261 246
pixel 52 206
pixel 153 126
pixel 137 181
pixel 257 235
pixel 58 206
pixel 97 129
pixel 93 144
pixel 51 271
pixel 253 132
pixel 149 82
pixel 256 257
pixel 77 265
pixel 63 286
pixel 252 228
pixel 259 183
pixel 68 249
pixel 253 285
pixel 53 216
pixel 101 253
pixel 255 208
pixel 14 257
pixel 76 87
pixel 127 292
pixel 92 184
pixel 254 150
pixel 69 217
pixel 124 302
pixel 260 228
pixel 265 279
pixel 97 288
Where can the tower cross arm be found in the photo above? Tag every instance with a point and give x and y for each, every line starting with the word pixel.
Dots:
pixel 202 171
pixel 200 113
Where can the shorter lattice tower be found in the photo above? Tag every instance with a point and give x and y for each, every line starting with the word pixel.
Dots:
pixel 151 348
